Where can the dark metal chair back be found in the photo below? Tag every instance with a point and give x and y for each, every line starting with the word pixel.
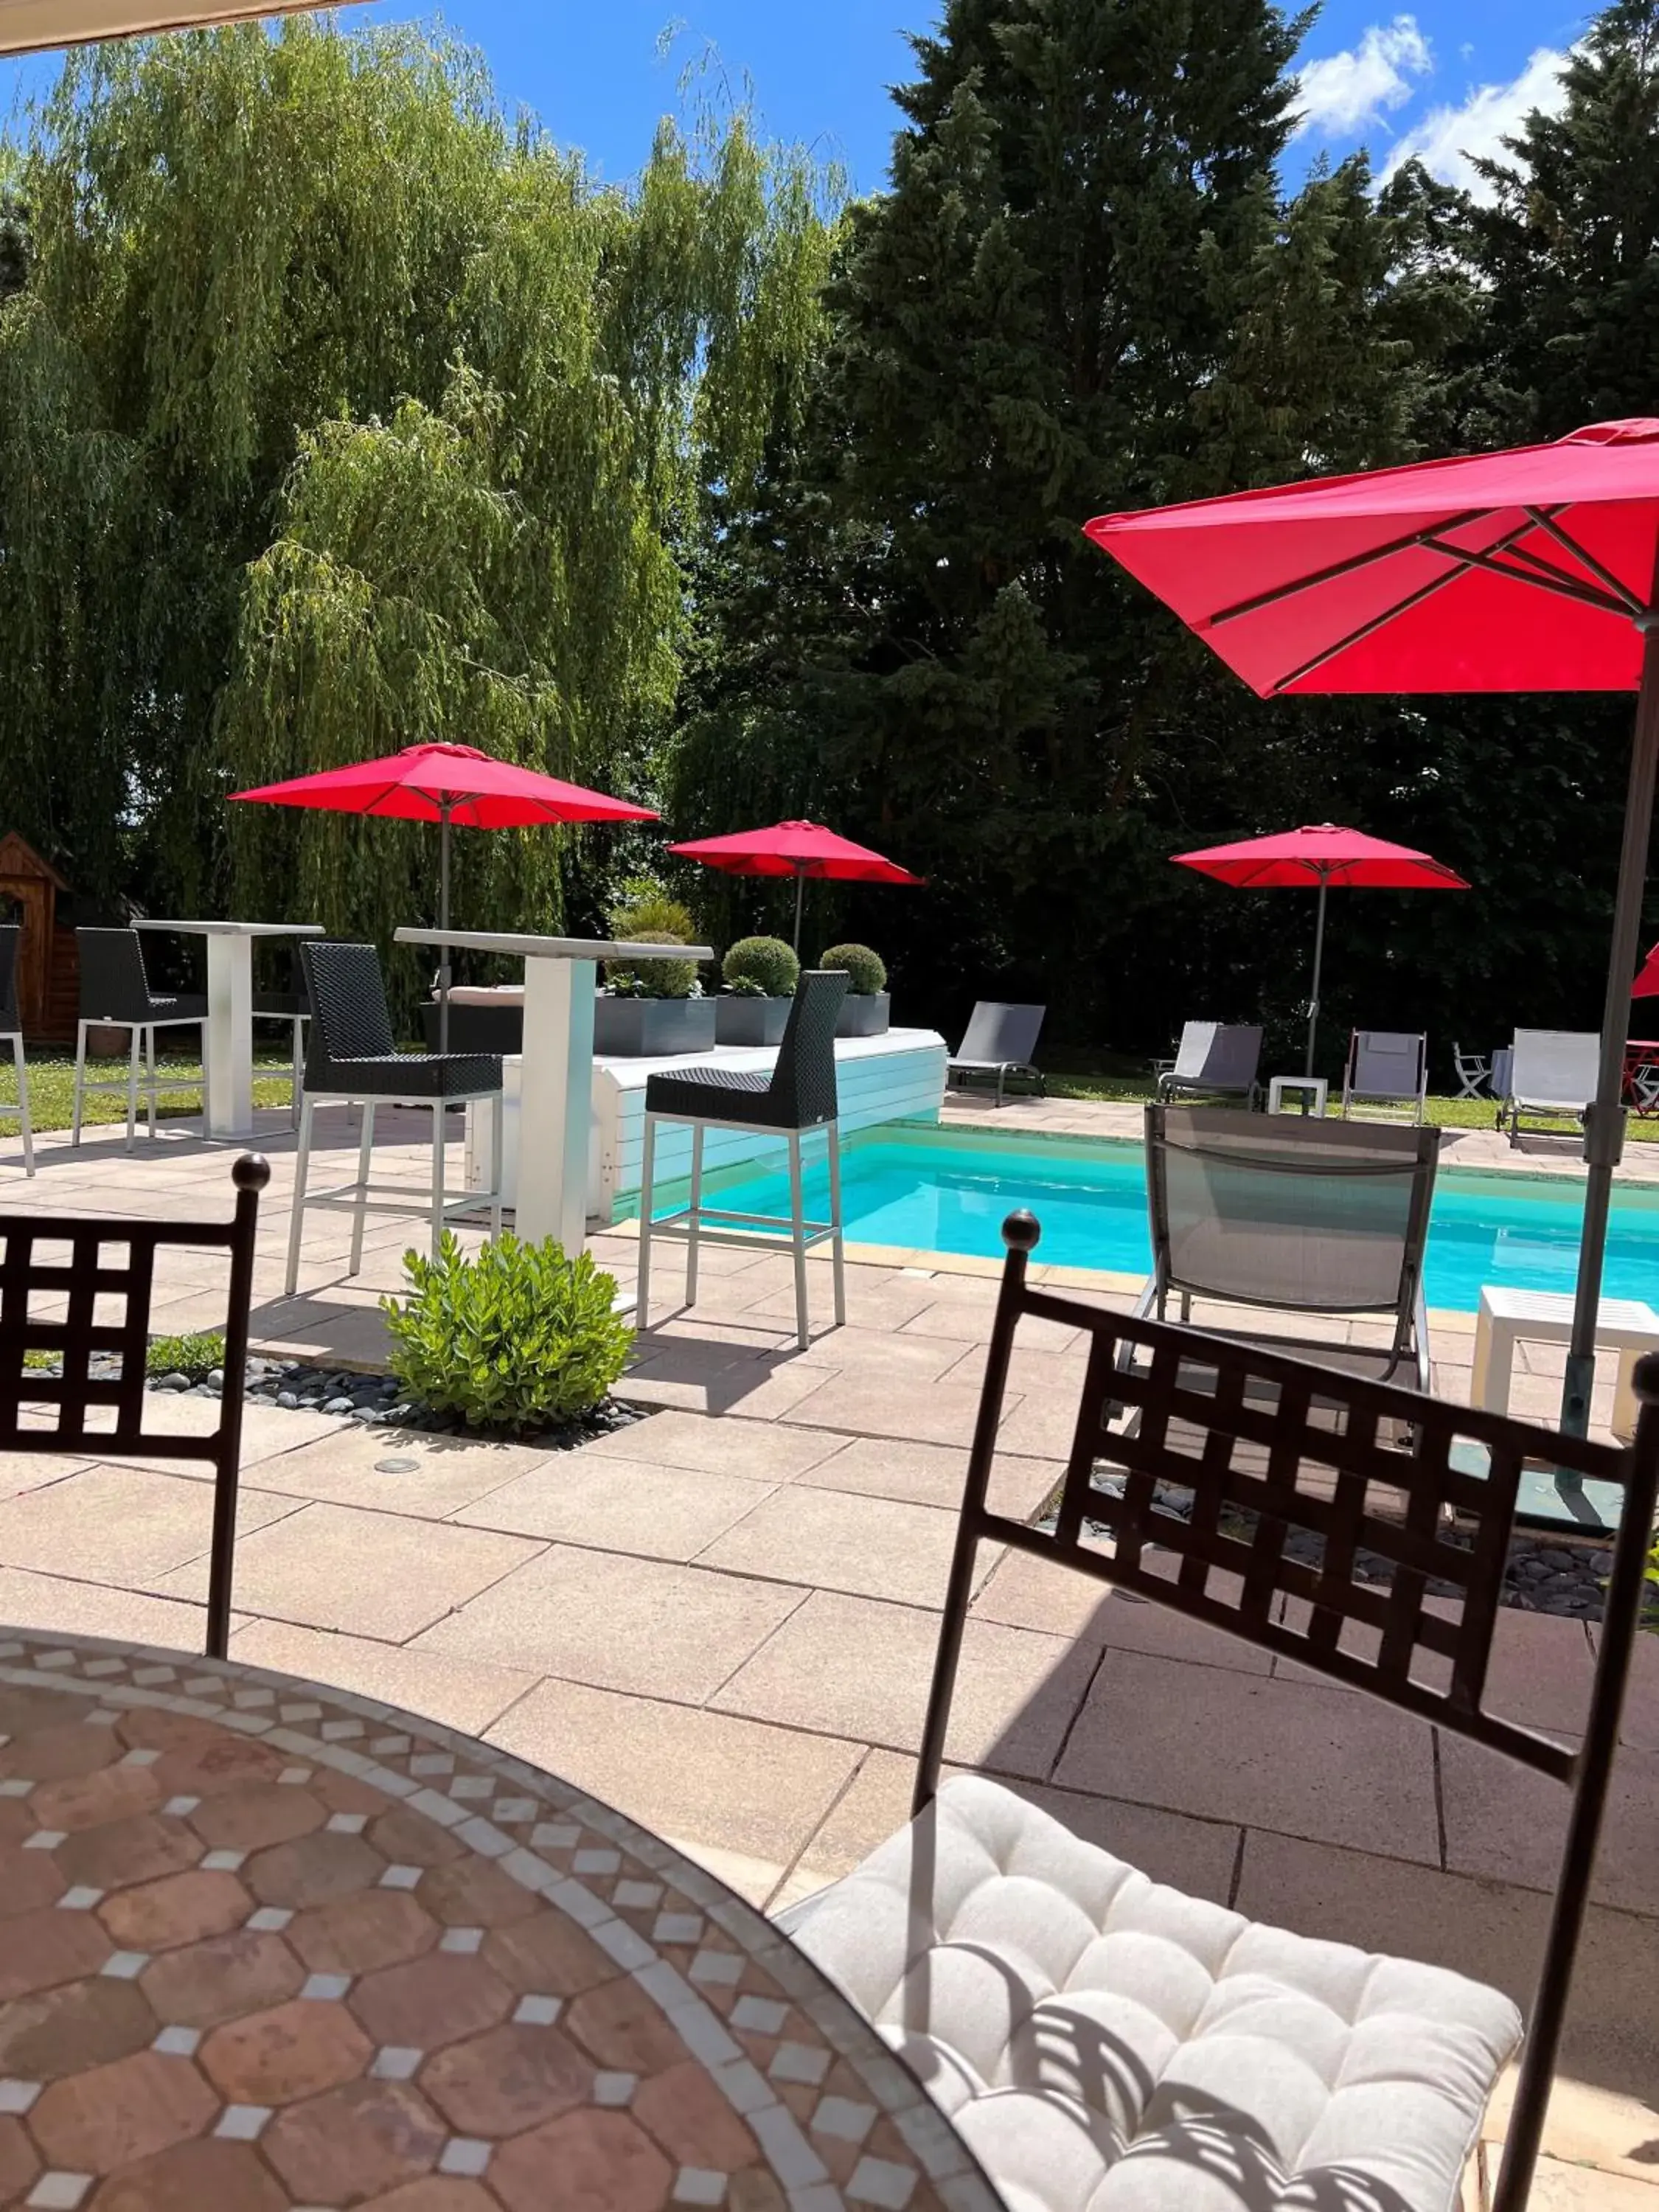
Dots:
pixel 11 940
pixel 1261 1479
pixel 350 1016
pixel 803 1088
pixel 112 1259
pixel 113 985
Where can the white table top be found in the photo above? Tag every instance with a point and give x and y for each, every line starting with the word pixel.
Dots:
pixel 236 928
pixel 551 948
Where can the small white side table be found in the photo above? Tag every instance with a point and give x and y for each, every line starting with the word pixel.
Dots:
pixel 1507 1318
pixel 556 1099
pixel 228 1032
pixel 1311 1088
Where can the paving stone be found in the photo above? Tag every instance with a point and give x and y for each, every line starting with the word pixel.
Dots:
pixel 603 2159
pixel 513 2077
pixel 359 2141
pixel 229 2176
pixel 437 1999
pixel 111 2115
pixel 296 2050
pixel 221 1979
pixel 180 1908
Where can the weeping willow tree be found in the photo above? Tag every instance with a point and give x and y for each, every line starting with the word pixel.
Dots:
pixel 334 415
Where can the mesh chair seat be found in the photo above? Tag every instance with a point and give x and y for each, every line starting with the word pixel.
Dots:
pixel 415 1075
pixel 719 1094
pixel 279 1004
pixel 187 1006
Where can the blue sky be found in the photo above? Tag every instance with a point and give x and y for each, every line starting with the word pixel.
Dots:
pixel 1447 76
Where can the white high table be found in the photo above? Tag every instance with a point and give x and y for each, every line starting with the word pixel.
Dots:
pixel 228 1032
pixel 556 1098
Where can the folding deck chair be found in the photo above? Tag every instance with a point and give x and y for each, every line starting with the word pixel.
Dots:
pixel 1214 1059
pixel 1553 1074
pixel 1000 1041
pixel 1387 1067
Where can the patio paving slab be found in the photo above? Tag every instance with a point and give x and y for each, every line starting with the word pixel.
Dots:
pixel 690 1440
pixel 371 1574
pixel 125 1525
pixel 871 1546
pixel 885 1405
pixel 392 1470
pixel 872 1353
pixel 707 1780
pixel 1506 1821
pixel 1588 2125
pixel 619 1623
pixel 1229 1746
pixel 97 1608
pixel 1028 1593
pixel 860 1668
pixel 929 1475
pixel 462 1693
pixel 20 1471
pixel 619 1504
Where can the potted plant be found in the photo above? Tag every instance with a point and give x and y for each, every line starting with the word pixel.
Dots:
pixel 761 975
pixel 865 1010
pixel 653 1008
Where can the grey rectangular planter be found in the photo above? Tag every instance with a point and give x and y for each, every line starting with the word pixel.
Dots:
pixel 740 1020
pixel 864 1013
pixel 649 1029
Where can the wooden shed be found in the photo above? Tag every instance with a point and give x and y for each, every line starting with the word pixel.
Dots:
pixel 47 966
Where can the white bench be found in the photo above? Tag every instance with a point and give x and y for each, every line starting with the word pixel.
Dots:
pixel 1507 1318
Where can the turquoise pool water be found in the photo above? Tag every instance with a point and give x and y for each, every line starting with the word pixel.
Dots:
pixel 939 1192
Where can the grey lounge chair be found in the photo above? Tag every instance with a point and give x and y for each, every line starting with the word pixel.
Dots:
pixel 1553 1074
pixel 1297 1216
pixel 1387 1067
pixel 1214 1059
pixel 1000 1041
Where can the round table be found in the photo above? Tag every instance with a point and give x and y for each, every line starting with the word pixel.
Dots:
pixel 266 1945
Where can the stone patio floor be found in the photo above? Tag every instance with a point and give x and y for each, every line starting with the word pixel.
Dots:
pixel 722 1618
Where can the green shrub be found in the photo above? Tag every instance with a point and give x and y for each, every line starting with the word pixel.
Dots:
pixel 762 967
pixel 648 915
pixel 652 979
pixel 519 1338
pixel 866 973
pixel 194 1357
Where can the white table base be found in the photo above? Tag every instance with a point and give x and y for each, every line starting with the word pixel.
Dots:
pixel 1507 1318
pixel 1305 1084
pixel 227 1038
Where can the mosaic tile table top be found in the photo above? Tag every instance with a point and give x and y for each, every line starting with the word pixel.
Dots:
pixel 267 1945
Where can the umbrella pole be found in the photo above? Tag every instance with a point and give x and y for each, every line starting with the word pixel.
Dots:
pixel 800 893
pixel 443 924
pixel 1604 1127
pixel 1318 955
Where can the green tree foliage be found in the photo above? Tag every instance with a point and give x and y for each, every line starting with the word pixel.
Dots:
pixel 336 414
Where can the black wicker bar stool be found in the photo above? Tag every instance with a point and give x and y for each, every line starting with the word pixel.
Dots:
pixel 798 1094
pixel 115 994
pixel 352 1058
pixel 292 1007
pixel 11 1033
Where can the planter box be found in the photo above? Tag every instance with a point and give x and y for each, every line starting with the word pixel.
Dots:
pixel 741 1020
pixel 864 1013
pixel 653 1028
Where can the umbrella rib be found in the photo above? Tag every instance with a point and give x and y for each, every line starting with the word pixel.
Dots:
pixel 1548 579
pixel 1355 560
pixel 1545 517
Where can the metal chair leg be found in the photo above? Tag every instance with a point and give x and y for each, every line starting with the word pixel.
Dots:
pixel 364 1148
pixel 647 1165
pixel 23 1105
pixel 80 1080
pixel 798 1238
pixel 150 1065
pixel 498 1157
pixel 695 1225
pixel 301 1161
pixel 837 1258
pixel 138 1037
pixel 437 1176
pixel 297 1085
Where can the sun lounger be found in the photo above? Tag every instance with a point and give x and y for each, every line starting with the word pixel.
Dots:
pixel 1000 1041
pixel 1387 1067
pixel 1297 1216
pixel 1553 1074
pixel 1214 1059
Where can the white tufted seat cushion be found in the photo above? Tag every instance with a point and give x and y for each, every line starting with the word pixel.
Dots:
pixel 1106 2045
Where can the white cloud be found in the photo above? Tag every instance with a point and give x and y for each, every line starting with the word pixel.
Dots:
pixel 1447 139
pixel 1339 94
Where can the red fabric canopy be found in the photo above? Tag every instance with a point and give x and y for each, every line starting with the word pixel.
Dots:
pixel 795 848
pixel 1322 852
pixel 1646 985
pixel 480 791
pixel 1517 571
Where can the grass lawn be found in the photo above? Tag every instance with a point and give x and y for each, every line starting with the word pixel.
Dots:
pixel 52 1087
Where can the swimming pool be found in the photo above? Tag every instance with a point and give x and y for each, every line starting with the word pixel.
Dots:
pixel 947 1191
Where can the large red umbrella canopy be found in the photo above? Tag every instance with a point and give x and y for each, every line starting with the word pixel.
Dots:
pixel 799 849
pixel 1646 985
pixel 433 783
pixel 448 784
pixel 1534 569
pixel 1322 853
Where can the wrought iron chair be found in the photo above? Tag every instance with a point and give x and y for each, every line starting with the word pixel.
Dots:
pixel 115 994
pixel 114 1259
pixel 11 1033
pixel 352 1058
pixel 1076 2019
pixel 798 1093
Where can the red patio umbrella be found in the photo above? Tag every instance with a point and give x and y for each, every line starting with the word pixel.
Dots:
pixel 1534 569
pixel 799 849
pixel 448 784
pixel 1320 853
pixel 1646 985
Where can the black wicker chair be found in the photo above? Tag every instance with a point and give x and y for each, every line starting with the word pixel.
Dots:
pixel 292 1007
pixel 11 1033
pixel 796 1094
pixel 115 994
pixel 352 1058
